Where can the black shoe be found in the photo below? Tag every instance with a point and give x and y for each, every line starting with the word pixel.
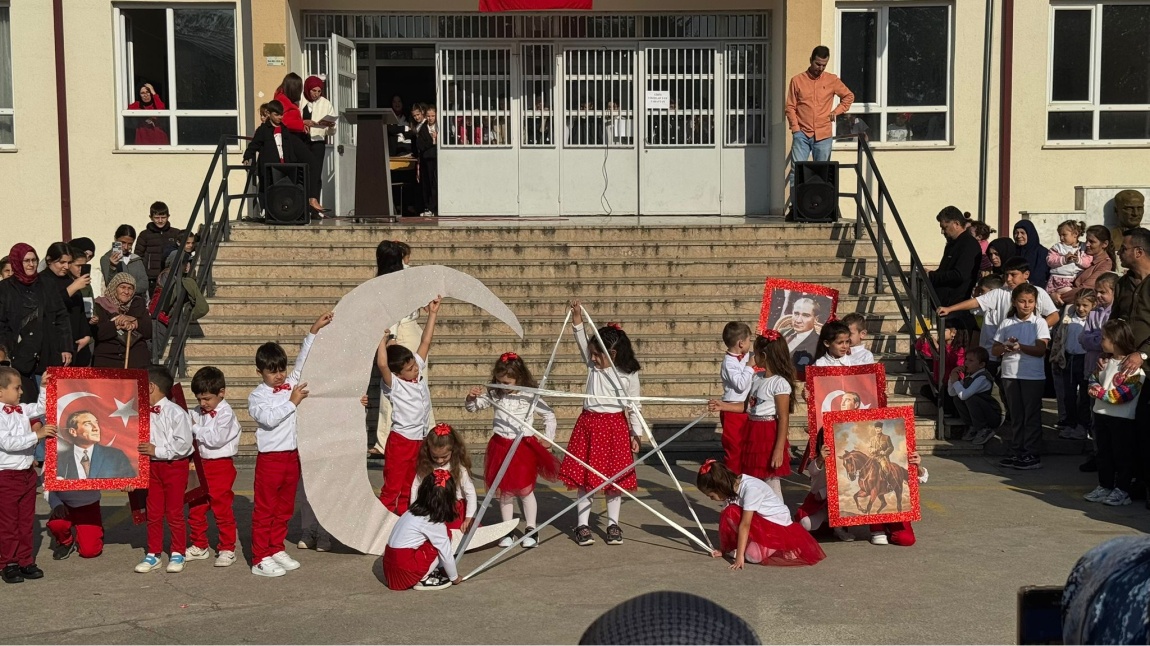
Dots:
pixel 435 581
pixel 61 552
pixel 32 572
pixel 1007 462
pixel 583 536
pixel 1028 463
pixel 614 535
pixel 11 574
pixel 1089 466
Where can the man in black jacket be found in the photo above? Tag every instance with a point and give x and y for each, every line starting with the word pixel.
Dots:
pixel 158 235
pixel 957 273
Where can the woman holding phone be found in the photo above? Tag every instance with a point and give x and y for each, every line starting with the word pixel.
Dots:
pixel 120 258
pixel 64 272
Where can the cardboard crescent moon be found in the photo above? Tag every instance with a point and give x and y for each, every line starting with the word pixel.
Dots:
pixel 330 423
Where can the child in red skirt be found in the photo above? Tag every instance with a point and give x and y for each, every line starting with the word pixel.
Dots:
pixel 769 404
pixel 736 376
pixel 404 384
pixel 755 526
pixel 418 553
pixel 812 514
pixel 444 450
pixel 606 435
pixel 901 534
pixel 531 459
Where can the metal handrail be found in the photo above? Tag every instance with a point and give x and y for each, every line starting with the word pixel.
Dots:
pixel 216 229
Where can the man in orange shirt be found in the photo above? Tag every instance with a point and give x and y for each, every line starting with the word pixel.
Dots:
pixel 811 111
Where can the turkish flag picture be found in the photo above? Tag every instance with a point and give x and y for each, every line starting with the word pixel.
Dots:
pixel 101 415
pixel 837 388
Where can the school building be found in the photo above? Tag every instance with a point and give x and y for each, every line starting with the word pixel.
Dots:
pixel 635 107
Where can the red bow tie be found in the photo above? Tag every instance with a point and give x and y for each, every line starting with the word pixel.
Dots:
pixel 738 356
pixel 13 409
pixel 209 413
pixel 155 410
pixel 282 387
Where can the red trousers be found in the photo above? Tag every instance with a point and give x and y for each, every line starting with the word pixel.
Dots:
pixel 89 525
pixel 17 516
pixel 220 475
pixel 166 487
pixel 733 424
pixel 399 457
pixel 900 533
pixel 277 476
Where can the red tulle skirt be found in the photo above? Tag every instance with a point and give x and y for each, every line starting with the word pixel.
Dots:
pixel 532 460
pixel 403 567
pixel 733 424
pixel 758 442
pixel 602 440
pixel 777 544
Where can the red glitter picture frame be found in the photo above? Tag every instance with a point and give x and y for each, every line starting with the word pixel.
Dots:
pixel 774 314
pixel 827 381
pixel 852 473
pixel 63 388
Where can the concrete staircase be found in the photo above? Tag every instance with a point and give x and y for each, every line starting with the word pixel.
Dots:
pixel 673 287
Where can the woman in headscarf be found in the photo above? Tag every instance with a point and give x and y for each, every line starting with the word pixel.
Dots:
pixel 33 322
pixel 63 272
pixel 123 327
pixel 998 252
pixel 316 109
pixel 1030 248
pixel 290 94
pixel 149 132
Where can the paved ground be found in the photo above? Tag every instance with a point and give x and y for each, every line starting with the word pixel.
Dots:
pixel 984 533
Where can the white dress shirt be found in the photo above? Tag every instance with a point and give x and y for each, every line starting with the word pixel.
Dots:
pixel 736 376
pixel 78 455
pixel 754 495
pixel 609 383
pixel 464 490
pixel 818 476
pixel 218 435
pixel 411 531
pixel 516 406
pixel 410 402
pixel 829 360
pixel 17 441
pixel 979 383
pixel 273 411
pixel 171 431
pixel 996 304
pixel 860 356
pixel 763 391
pixel 1018 365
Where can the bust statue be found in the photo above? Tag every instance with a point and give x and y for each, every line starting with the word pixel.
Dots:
pixel 1129 206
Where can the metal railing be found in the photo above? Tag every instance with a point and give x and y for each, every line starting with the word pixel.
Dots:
pixel 213 215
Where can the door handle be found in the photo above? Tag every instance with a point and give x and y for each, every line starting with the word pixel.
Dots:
pixel 339 149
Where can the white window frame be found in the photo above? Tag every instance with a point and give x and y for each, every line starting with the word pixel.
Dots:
pixel 9 112
pixel 732 108
pixel 172 113
pixel 881 77
pixel 1093 104
pixel 463 105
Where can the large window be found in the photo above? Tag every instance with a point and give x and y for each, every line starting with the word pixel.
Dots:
pixel 7 135
pixel 475 97
pixel 177 76
pixel 599 109
pixel 1099 73
pixel 897 61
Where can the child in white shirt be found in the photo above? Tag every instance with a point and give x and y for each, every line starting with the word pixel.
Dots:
pixel 735 375
pixel 418 553
pixel 859 354
pixel 834 345
pixel 18 479
pixel 1021 341
pixel 1068 363
pixel 1067 258
pixel 1115 396
pixel 217 433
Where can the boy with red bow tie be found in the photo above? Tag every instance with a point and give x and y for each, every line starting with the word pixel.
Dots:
pixel 217 433
pixel 736 375
pixel 169 445
pixel 17 479
pixel 273 407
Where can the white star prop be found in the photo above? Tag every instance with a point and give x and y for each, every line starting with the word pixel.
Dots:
pixel 124 410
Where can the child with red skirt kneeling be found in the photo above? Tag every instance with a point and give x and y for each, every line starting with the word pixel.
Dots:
pixel 755 526
pixel 418 553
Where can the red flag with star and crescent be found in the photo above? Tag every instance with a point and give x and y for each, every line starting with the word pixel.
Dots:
pixel 533 5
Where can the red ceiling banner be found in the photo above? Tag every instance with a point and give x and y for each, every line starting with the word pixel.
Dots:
pixel 533 5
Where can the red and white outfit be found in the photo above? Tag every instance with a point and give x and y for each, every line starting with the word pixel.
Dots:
pixel 217 434
pixel 171 433
pixel 17 484
pixel 415 549
pixel 531 459
pixel 774 539
pixel 814 506
pixel 762 429
pixel 466 502
pixel 277 463
pixel 736 376
pixel 901 534
pixel 410 408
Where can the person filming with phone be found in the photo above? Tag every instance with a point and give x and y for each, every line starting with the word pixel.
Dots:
pixel 121 259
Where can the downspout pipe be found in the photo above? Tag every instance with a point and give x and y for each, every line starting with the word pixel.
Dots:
pixel 1006 111
pixel 62 121
pixel 984 139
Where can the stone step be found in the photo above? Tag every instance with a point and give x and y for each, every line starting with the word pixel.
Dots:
pixel 257 268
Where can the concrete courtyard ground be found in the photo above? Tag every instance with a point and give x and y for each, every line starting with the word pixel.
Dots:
pixel 985 532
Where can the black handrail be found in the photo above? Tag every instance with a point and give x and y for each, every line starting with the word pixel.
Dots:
pixel 216 229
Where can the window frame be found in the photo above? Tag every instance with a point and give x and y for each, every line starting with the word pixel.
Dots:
pixel 881 75
pixel 9 112
pixel 1093 103
pixel 172 113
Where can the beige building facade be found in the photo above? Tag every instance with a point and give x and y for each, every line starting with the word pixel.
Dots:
pixel 661 108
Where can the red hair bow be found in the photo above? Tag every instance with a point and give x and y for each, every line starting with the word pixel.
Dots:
pixel 772 335
pixel 441 475
pixel 442 429
pixel 615 326
pixel 707 464
pixel 507 357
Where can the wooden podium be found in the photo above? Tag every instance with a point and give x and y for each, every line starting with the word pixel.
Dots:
pixel 373 195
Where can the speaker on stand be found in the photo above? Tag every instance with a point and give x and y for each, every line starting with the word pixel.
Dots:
pixel 816 193
pixel 285 193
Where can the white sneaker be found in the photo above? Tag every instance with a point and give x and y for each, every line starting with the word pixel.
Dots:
pixel 226 558
pixel 844 535
pixel 286 562
pixel 197 554
pixel 879 539
pixel 268 567
pixel 150 563
pixel 1099 494
pixel 1117 498
pixel 303 545
pixel 507 541
pixel 175 564
pixel 529 541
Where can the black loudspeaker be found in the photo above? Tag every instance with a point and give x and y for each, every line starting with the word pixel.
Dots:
pixel 816 196
pixel 285 193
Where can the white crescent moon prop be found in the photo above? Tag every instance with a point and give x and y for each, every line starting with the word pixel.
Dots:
pixel 332 442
